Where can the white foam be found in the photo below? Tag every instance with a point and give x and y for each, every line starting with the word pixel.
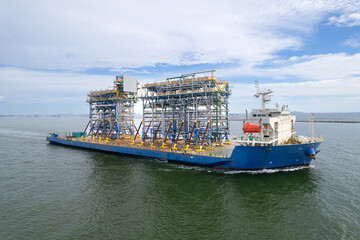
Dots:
pixel 291 169
pixel 253 172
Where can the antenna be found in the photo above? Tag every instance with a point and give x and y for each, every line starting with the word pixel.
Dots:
pixel 257 85
pixel 265 97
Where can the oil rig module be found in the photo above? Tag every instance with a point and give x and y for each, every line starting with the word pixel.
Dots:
pixel 186 119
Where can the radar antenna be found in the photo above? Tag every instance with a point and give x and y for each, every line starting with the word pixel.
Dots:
pixel 265 94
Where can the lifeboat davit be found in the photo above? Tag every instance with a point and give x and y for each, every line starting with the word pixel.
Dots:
pixel 251 128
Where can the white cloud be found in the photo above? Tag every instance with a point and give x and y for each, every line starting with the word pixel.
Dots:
pixel 29 86
pixel 315 67
pixel 321 67
pixel 300 103
pixel 352 42
pixel 329 90
pixel 73 36
pixel 321 96
pixel 348 19
pixel 326 82
pixel 19 85
pixel 2 98
pixel 130 34
pixel 295 89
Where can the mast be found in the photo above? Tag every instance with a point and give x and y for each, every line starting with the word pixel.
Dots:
pixel 265 97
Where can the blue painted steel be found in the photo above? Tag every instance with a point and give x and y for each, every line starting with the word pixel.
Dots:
pixel 242 157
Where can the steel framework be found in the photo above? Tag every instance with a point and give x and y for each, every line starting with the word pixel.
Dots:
pixel 112 111
pixel 187 103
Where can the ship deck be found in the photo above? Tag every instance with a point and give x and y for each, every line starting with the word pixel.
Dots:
pixel 223 151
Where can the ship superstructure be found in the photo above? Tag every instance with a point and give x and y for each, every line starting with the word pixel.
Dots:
pixel 267 126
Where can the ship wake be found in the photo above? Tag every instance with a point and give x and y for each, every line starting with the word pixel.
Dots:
pixel 264 171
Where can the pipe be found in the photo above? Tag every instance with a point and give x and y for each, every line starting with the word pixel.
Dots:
pixel 157 131
pixel 102 134
pixel 177 138
pixel 147 130
pixel 108 136
pixel 192 131
pixel 92 127
pixel 168 130
pixel 137 131
pixel 85 128
pixel 207 126
pixel 98 128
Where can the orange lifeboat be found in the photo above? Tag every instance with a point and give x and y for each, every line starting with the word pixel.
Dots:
pixel 251 128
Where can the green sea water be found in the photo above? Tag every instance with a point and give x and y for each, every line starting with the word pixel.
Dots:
pixel 54 192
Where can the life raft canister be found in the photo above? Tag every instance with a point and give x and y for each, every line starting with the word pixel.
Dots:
pixel 251 128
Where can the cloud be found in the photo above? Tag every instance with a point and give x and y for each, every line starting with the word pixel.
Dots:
pixel 80 35
pixel 318 67
pixel 352 42
pixel 321 67
pixel 32 86
pixel 349 19
pixel 52 92
pixel 306 96
pixel 307 88
pixel 324 82
pixel 324 76
pixel 49 46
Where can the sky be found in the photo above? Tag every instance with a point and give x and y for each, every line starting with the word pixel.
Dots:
pixel 52 53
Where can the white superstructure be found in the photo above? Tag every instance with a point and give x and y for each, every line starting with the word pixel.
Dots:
pixel 267 126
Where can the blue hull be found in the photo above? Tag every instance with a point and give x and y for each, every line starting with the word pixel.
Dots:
pixel 242 157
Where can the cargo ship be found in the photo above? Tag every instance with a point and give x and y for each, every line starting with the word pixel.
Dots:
pixel 186 120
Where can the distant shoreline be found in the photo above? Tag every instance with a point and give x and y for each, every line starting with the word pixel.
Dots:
pixel 329 121
pixel 317 121
pixel 138 117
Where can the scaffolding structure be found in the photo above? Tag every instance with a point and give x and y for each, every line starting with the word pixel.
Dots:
pixel 191 108
pixel 112 110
